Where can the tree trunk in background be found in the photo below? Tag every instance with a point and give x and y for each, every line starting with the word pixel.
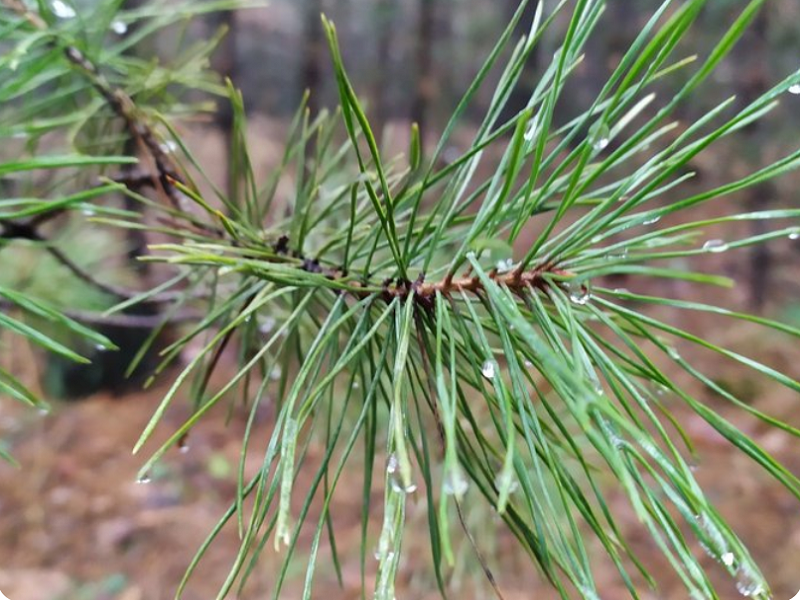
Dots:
pixel 224 61
pixel 384 13
pixel 753 68
pixel 136 240
pixel 424 62
pixel 313 55
pixel 522 92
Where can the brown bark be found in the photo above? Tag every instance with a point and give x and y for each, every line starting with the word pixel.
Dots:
pixel 521 94
pixel 426 83
pixel 313 54
pixel 752 58
pixel 385 11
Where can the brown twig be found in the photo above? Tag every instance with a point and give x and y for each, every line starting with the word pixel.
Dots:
pixel 117 320
pixel 29 230
pixel 424 292
pixel 165 174
pixel 112 290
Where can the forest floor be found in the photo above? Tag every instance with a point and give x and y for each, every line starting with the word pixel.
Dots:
pixel 75 524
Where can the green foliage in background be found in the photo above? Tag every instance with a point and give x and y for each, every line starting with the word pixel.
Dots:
pixel 385 305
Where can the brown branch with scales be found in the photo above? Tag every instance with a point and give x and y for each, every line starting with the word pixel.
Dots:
pixel 517 280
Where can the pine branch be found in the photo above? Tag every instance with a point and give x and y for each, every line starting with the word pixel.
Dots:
pixel 532 383
pixel 30 231
pixel 165 173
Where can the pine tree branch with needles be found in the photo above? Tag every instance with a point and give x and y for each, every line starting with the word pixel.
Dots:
pixel 406 325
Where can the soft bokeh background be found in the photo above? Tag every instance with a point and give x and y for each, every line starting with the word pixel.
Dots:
pixel 75 524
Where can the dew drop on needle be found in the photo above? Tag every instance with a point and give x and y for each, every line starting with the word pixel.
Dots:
pixel 715 246
pixel 488 369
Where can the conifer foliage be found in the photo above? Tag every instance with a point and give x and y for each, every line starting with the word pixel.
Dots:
pixel 388 307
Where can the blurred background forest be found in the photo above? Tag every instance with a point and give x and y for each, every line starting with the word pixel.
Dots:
pixel 73 522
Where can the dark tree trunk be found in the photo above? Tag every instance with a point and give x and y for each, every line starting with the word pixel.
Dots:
pixel 313 55
pixel 225 62
pixel 426 84
pixel 136 240
pixel 384 13
pixel 521 94
pixel 753 65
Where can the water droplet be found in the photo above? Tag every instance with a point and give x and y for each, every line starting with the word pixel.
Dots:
pixel 713 542
pixel 144 478
pixel 284 537
pixel 168 147
pixel 579 292
pixel 597 239
pixel 392 468
pixel 528 364
pixel 599 136
pixel 728 559
pixel 652 220
pixel 795 235
pixel 267 325
pixel 621 291
pixel 401 489
pixel 62 10
pixel 589 593
pixel 391 464
pixel 275 374
pixel 44 411
pixel 504 266
pixel 119 27
pixel 749 583
pixel 388 555
pixel 455 484
pixel 611 434
pixel 715 246
pixel 488 369
pixel 450 155
pixel 386 541
pixel 513 485
pixel 795 89
pixel 530 130
pixel 673 353
pixel 88 211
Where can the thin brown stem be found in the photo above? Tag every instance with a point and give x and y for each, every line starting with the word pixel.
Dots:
pixel 165 174
pixel 118 320
pixel 112 290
